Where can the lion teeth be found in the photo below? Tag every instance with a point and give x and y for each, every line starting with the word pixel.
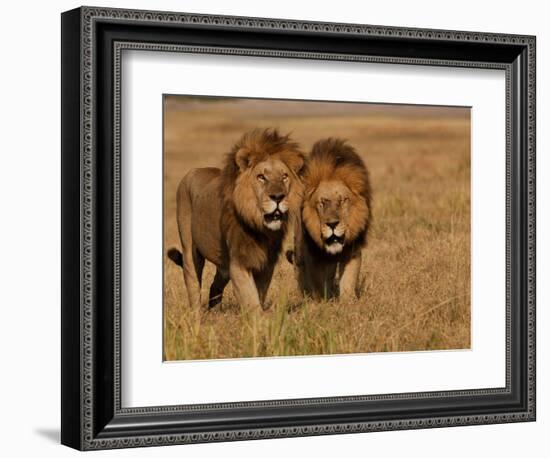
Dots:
pixel 334 239
pixel 275 216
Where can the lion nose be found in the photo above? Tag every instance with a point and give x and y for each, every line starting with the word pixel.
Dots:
pixel 333 224
pixel 277 197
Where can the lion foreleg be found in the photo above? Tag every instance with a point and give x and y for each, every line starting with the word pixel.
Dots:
pixel 218 285
pixel 349 276
pixel 263 280
pixel 244 286
pixel 317 279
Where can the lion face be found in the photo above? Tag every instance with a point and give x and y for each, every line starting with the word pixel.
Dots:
pixel 267 187
pixel 332 203
pixel 271 188
pixel 331 216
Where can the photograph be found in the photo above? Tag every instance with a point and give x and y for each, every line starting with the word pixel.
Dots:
pixel 287 223
pixel 308 228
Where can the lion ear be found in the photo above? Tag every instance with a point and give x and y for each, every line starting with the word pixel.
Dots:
pixel 243 158
pixel 297 163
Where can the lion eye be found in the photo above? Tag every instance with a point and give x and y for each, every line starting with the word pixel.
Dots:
pixel 285 177
pixel 261 178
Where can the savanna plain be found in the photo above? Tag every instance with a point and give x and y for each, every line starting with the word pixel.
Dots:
pixel 415 278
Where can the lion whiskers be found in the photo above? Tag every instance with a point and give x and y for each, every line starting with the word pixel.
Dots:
pixel 339 231
pixel 328 232
pixel 269 206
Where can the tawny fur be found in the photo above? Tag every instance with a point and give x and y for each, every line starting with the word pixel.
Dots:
pixel 222 216
pixel 335 170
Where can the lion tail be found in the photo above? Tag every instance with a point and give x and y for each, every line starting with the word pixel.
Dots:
pixel 175 255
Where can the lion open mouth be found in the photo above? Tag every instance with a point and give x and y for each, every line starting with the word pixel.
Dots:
pixel 274 220
pixel 334 239
pixel 334 244
pixel 276 215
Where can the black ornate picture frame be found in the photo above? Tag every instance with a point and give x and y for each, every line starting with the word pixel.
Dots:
pixel 92 42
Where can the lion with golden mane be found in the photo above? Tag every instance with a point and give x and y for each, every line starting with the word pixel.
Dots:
pixel 336 214
pixel 237 217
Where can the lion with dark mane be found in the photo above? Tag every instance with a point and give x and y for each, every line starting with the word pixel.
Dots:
pixel 335 218
pixel 237 217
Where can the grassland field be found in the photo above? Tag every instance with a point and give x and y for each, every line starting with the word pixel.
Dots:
pixel 415 279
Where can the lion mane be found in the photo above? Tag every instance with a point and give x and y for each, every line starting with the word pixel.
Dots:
pixel 241 219
pixel 334 159
pixel 237 216
pixel 333 163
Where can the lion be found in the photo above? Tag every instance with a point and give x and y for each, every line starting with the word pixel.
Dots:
pixel 237 217
pixel 335 218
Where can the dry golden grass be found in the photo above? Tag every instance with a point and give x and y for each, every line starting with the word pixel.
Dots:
pixel 416 268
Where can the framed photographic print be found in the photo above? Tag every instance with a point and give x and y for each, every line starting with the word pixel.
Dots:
pixel 276 228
